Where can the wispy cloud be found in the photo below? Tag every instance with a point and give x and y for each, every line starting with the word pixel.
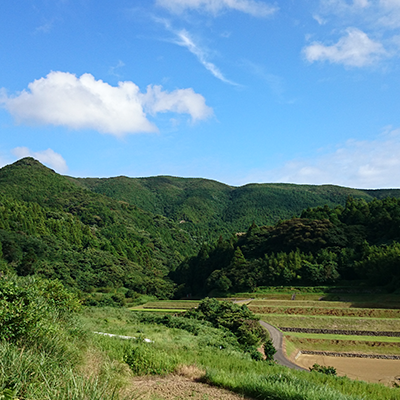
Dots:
pixel 113 69
pixel 184 39
pixel 251 7
pixel 355 49
pixel 275 82
pixel 48 157
pixel 63 99
pixel 358 164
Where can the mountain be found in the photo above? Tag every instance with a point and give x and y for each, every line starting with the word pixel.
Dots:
pixel 51 226
pixel 208 208
pixel 358 243
pixel 134 234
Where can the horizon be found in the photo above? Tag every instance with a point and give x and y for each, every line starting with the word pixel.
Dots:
pixel 239 92
pixel 196 177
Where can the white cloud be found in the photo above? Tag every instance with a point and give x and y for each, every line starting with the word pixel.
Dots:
pixel 371 13
pixel 358 164
pixel 252 7
pixel 185 40
pixel 48 157
pixel 343 6
pixel 179 101
pixel 63 99
pixel 319 19
pixel 355 49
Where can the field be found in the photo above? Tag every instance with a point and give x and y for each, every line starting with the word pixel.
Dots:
pixel 178 360
pixel 358 314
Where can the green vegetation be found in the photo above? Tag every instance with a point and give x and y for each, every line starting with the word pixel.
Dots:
pixel 358 243
pixel 342 323
pixel 209 209
pixel 323 370
pixel 42 345
pixel 51 227
pixel 68 244
pixel 58 357
pixel 181 341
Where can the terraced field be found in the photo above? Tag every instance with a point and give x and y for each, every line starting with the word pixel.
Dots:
pixel 339 327
pixel 167 306
pixel 358 321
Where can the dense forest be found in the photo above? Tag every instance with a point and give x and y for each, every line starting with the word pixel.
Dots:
pixel 167 236
pixel 209 209
pixel 324 245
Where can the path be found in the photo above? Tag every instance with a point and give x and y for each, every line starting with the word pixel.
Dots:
pixel 277 339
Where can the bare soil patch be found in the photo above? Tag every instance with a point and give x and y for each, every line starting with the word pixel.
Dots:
pixel 386 372
pixel 180 386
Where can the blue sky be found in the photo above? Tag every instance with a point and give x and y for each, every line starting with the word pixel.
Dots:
pixel 239 91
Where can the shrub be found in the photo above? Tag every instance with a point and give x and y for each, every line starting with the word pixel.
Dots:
pixel 237 319
pixel 29 305
pixel 323 370
pixel 144 359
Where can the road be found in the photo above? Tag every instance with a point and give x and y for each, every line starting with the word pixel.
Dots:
pixel 277 338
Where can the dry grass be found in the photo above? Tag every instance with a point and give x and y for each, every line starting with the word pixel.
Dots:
pixel 356 346
pixel 345 323
pixel 183 384
pixel 325 311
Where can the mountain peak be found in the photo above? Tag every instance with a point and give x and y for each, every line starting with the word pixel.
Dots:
pixel 30 162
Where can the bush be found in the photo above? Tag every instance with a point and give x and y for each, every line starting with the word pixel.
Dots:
pixel 28 307
pixel 144 359
pixel 239 320
pixel 323 370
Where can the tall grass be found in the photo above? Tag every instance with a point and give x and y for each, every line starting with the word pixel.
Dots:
pixel 227 368
pixel 43 346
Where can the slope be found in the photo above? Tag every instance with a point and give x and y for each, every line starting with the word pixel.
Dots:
pixel 209 208
pixel 51 226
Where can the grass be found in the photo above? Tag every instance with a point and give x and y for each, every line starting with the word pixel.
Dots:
pixel 230 369
pixel 380 339
pixel 341 345
pixel 327 311
pixel 340 323
pixel 323 303
pixel 158 310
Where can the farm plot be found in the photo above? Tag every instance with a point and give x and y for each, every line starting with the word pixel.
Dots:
pixel 327 311
pixel 167 306
pixel 333 323
pixel 338 317
pixel 343 344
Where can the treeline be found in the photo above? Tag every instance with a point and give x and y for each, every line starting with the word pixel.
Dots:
pixel 358 241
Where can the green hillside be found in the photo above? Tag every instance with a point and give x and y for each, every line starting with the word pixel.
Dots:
pixel 210 208
pixel 359 243
pixel 53 227
pixel 133 235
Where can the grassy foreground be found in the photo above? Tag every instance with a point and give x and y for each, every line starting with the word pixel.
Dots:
pixel 48 350
pixel 228 368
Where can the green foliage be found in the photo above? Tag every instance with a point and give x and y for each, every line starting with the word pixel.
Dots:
pixel 28 307
pixel 7 394
pixel 51 226
pixel 239 320
pixel 358 242
pixel 327 370
pixel 209 209
pixel 144 359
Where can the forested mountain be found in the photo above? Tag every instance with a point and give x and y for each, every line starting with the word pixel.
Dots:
pixel 210 209
pixel 142 234
pixel 324 245
pixel 52 227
